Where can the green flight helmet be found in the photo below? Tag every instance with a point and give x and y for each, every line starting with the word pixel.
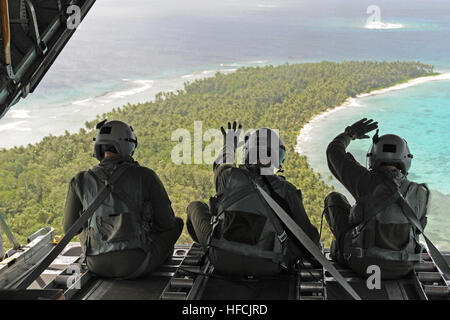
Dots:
pixel 389 149
pixel 116 136
pixel 264 147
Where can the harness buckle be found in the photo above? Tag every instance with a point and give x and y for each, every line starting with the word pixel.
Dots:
pixel 358 252
pixel 356 231
pixel 347 256
pixel 283 237
pixel 214 219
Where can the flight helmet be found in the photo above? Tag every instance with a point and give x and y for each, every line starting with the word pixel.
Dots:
pixel 115 136
pixel 264 147
pixel 389 149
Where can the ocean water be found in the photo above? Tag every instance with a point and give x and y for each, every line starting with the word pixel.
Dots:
pixel 139 48
pixel 127 51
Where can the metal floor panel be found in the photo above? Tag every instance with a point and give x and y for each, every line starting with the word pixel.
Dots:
pixel 275 288
pixel 222 287
pixel 403 289
pixel 148 288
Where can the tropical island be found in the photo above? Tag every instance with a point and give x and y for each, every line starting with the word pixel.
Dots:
pixel 34 179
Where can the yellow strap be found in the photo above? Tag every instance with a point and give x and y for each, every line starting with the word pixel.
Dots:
pixel 56 239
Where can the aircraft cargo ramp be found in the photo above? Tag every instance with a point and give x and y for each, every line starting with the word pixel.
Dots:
pixel 188 275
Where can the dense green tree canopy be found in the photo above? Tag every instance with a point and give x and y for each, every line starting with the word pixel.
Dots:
pixel 34 179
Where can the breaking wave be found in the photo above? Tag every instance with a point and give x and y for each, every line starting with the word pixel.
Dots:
pixel 378 25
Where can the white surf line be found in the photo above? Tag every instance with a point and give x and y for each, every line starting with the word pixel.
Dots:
pixel 305 132
pixel 378 25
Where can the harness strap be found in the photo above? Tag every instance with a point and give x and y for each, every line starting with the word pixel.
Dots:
pixel 281 233
pixel 74 229
pixel 410 214
pixel 307 242
pixel 117 190
pixel 381 206
pixel 375 210
pixel 283 203
pixel 390 255
pixel 239 193
pixel 100 174
pixel 438 259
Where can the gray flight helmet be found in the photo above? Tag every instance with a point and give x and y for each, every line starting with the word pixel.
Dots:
pixel 389 149
pixel 117 134
pixel 264 147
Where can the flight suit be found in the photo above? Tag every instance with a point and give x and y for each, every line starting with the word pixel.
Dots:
pixel 199 226
pixel 142 184
pixel 359 181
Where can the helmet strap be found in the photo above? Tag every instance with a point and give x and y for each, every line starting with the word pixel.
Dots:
pixel 376 137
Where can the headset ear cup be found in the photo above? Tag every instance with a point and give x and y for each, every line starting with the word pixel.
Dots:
pixel 97 152
pixel 282 155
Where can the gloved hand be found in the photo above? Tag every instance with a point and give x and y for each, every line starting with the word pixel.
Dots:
pixel 359 129
pixel 231 136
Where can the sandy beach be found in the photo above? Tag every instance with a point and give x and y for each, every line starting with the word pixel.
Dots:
pixel 33 119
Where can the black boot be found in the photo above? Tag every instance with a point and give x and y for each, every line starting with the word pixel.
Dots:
pixel 335 254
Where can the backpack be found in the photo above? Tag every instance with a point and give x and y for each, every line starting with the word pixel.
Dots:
pixel 243 223
pixel 119 223
pixel 379 217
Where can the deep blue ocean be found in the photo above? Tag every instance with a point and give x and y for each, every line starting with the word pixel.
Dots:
pixel 126 51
